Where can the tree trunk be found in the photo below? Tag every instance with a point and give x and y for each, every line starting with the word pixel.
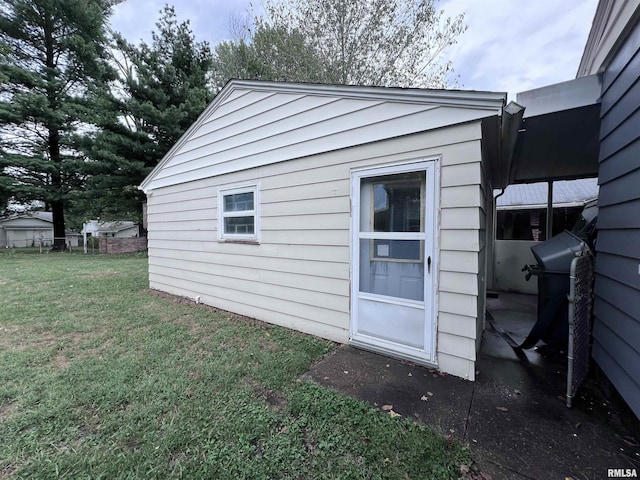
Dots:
pixel 56 187
pixel 59 240
pixel 57 205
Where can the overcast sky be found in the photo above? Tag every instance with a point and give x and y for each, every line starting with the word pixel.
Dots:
pixel 510 45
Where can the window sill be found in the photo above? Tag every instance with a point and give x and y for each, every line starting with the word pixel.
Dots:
pixel 238 240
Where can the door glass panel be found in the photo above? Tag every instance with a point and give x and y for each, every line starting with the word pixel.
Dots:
pixel 393 268
pixel 388 322
pixel 393 203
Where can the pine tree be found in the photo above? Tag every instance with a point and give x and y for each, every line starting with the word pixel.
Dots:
pixel 51 56
pixel 162 89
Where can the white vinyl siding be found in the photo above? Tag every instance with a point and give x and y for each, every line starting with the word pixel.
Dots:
pixel 461 287
pixel 299 274
pixel 252 127
pixel 301 142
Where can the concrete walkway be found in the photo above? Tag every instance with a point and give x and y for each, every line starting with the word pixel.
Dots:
pixel 514 417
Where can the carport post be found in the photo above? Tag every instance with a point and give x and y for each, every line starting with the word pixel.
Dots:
pixel 549 231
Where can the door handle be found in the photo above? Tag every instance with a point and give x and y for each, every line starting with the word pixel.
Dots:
pixel 429 264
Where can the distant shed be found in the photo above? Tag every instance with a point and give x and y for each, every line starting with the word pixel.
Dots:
pixel 358 214
pixel 31 229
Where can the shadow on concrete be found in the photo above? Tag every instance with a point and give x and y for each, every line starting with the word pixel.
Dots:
pixel 513 417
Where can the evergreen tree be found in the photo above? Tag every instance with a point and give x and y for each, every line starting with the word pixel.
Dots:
pixel 162 89
pixel 51 56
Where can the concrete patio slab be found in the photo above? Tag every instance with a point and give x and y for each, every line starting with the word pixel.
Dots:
pixel 513 417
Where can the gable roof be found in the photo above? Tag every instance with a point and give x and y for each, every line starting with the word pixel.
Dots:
pixel 255 123
pixel 38 217
pixel 95 226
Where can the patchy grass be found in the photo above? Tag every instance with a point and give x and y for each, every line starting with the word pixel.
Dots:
pixel 102 378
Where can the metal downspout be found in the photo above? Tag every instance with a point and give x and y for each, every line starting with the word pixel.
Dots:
pixel 494 230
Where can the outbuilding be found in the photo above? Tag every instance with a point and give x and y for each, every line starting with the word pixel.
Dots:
pixel 31 229
pixel 359 214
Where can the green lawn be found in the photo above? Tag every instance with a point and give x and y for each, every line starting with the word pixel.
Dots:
pixel 102 378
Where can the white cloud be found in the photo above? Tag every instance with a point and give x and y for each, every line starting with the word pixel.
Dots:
pixel 210 19
pixel 510 45
pixel 513 46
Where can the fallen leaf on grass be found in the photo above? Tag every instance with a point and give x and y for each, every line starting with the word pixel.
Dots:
pixel 386 408
pixel 503 409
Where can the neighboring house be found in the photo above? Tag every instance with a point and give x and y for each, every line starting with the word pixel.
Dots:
pixel 613 50
pixel 521 223
pixel 96 228
pixel 354 213
pixel 32 229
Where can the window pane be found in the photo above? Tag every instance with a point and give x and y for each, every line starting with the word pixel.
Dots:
pixel 239 225
pixel 397 249
pixel 238 202
pixel 392 203
pixel 385 270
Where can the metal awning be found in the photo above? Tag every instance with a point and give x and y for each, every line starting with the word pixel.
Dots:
pixel 557 138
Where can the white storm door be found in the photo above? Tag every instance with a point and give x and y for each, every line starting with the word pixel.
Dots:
pixel 393 262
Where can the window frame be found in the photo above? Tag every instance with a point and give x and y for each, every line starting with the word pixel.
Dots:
pixel 373 250
pixel 255 213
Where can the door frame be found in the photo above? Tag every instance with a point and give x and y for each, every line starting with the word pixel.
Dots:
pixel 431 165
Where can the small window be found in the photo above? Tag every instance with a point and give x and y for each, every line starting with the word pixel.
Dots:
pixel 238 213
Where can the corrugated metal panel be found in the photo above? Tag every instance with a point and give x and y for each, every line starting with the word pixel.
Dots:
pixel 564 191
pixel 617 306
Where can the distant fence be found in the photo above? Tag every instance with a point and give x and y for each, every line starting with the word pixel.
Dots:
pixel 38 242
pixel 122 245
